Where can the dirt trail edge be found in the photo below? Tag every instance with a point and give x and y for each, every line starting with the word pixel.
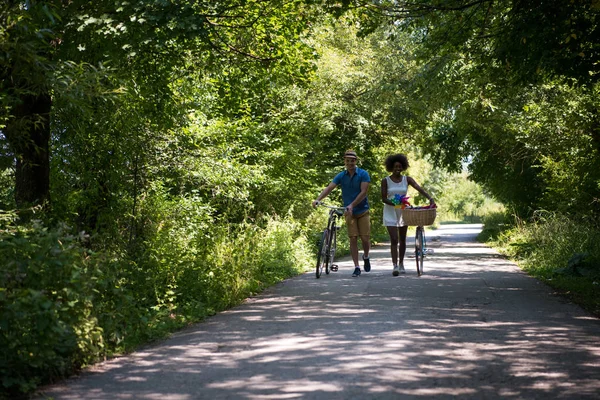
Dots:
pixel 473 327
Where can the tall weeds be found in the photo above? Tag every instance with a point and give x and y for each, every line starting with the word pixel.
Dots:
pixel 561 250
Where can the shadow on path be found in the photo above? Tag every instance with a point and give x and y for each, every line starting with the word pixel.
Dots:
pixel 474 327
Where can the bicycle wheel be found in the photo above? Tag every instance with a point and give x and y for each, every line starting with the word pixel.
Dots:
pixel 419 249
pixel 323 253
pixel 332 247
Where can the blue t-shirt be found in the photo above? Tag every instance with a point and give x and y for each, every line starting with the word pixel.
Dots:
pixel 351 188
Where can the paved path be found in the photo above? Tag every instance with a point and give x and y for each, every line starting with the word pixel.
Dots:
pixel 473 327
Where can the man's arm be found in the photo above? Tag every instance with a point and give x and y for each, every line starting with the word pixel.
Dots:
pixel 324 193
pixel 364 189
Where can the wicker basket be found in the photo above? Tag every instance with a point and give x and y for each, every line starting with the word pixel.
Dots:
pixel 419 216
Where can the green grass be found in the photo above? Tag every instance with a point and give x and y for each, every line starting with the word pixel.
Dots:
pixel 563 252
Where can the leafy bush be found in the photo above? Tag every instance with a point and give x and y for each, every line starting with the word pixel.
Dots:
pixel 62 306
pixel 7 196
pixel 47 326
pixel 550 240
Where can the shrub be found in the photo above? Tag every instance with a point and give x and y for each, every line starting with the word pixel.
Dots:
pixel 63 306
pixel 47 327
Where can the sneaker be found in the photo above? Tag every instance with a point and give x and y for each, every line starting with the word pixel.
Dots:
pixel 367 264
pixel 356 272
pixel 401 269
pixel 396 271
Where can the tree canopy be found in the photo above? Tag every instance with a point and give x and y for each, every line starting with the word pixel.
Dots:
pixel 158 157
pixel 509 88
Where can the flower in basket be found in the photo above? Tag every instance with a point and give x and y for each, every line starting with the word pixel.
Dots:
pixel 400 201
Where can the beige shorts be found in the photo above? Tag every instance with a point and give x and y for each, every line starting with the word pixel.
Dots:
pixel 359 225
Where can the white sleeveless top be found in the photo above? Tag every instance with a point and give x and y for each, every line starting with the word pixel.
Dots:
pixel 392 216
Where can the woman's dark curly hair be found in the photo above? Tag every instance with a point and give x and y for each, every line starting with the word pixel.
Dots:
pixel 393 159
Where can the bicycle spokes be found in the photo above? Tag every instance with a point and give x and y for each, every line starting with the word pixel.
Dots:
pixel 419 249
pixel 323 255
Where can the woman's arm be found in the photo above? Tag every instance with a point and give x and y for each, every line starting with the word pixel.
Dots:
pixel 384 195
pixel 419 189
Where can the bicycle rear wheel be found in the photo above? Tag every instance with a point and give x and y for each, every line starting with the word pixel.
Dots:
pixel 419 249
pixel 323 253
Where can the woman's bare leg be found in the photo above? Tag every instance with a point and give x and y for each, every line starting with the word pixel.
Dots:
pixel 393 231
pixel 402 243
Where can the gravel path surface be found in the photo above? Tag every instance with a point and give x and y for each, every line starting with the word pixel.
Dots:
pixel 473 327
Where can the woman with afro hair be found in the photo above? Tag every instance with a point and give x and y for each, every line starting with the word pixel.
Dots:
pixel 397 184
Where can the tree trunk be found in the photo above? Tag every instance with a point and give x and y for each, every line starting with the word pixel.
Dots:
pixel 28 133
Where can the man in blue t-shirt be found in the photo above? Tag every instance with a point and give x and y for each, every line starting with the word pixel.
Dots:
pixel 354 182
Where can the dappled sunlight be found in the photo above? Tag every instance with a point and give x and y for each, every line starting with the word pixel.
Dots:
pixel 403 359
pixel 379 251
pixel 262 382
pixel 473 329
pixel 466 250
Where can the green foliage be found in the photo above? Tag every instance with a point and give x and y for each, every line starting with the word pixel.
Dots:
pixel 339 108
pixel 580 264
pixel 551 38
pixel 64 306
pixel 47 322
pixel 248 259
pixel 495 225
pixel 189 148
pixel 464 199
pixel 6 192
pixel 514 97
pixel 553 238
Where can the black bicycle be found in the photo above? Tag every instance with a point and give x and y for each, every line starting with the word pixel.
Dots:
pixel 328 243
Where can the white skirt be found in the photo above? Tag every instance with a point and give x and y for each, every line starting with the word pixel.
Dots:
pixel 392 216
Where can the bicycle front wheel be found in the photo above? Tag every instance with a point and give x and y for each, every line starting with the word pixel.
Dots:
pixel 332 248
pixel 322 257
pixel 419 249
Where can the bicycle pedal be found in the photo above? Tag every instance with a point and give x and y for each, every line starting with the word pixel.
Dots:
pixel 334 268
